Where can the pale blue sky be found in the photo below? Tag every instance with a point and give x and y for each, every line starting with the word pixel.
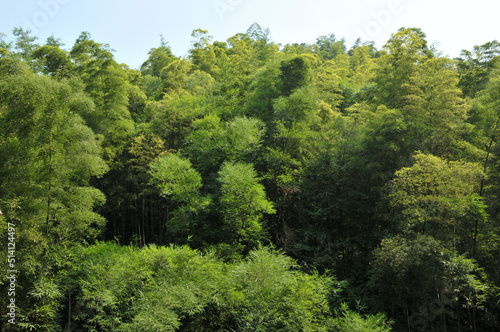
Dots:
pixel 132 27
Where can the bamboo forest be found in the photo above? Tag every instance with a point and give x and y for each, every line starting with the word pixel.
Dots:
pixel 249 185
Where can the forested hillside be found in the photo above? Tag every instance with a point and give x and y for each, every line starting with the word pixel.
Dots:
pixel 251 186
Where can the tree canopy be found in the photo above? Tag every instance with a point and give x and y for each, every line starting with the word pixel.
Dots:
pixel 250 185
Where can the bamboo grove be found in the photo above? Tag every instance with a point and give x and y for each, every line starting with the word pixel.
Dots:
pixel 251 186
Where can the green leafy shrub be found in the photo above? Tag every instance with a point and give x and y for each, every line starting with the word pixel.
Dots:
pixel 118 288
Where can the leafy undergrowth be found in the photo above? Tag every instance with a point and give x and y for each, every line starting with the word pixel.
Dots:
pixel 117 288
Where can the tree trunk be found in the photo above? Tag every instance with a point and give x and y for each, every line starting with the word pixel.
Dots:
pixel 143 221
pixel 69 311
pixel 49 197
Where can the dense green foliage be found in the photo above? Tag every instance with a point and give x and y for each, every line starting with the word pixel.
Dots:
pixel 251 186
